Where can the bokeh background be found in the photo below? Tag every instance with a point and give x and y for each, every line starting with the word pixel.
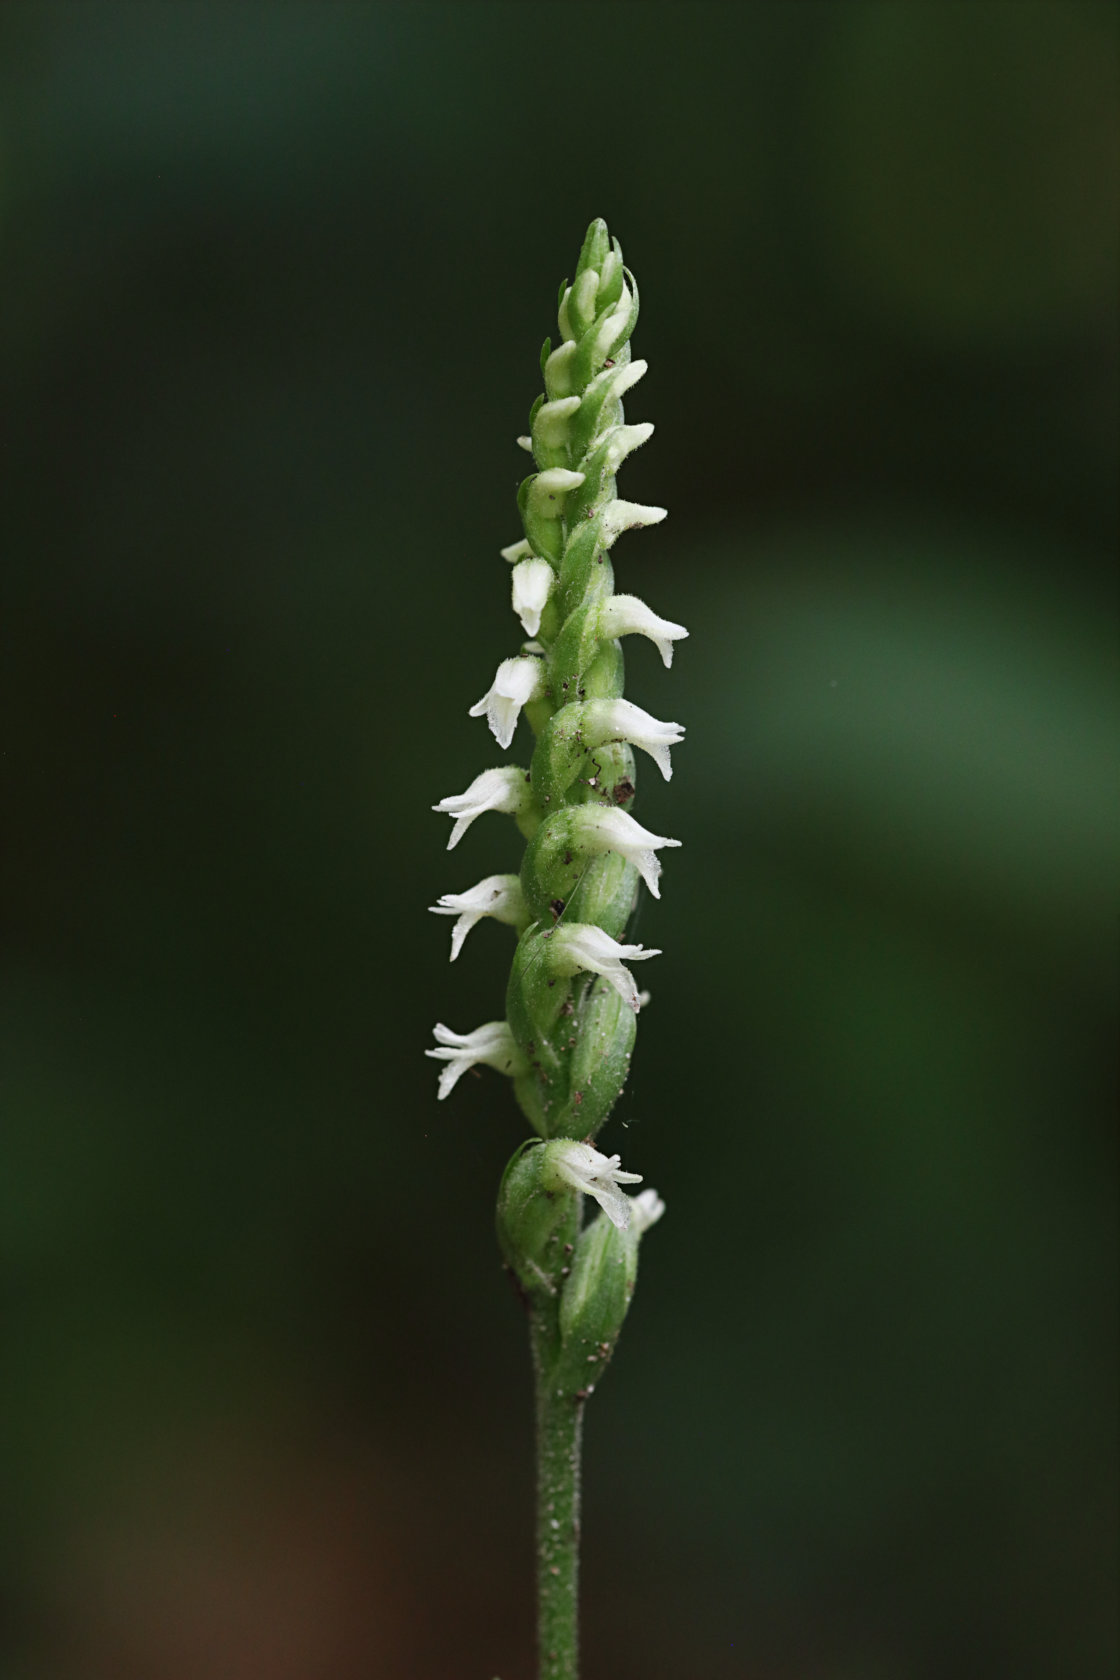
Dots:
pixel 275 279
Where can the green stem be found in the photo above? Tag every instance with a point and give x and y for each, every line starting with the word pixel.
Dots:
pixel 559 1434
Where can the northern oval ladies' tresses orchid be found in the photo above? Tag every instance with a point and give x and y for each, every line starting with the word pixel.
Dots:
pixel 571 1002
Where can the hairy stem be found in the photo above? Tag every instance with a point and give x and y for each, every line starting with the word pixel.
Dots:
pixel 559 1437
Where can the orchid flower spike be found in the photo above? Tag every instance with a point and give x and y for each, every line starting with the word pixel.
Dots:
pixel 581 947
pixel 498 896
pixel 578 1166
pixel 516 683
pixel 492 1045
pixel 571 1001
pixel 494 790
pixel 626 615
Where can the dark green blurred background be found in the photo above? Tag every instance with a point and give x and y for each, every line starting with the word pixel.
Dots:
pixel 275 279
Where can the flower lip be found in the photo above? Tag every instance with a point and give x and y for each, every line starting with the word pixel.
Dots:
pixel 532 582
pixel 516 682
pixel 581 947
pixel 582 1168
pixel 627 615
pixel 491 1045
pixel 502 789
pixel 605 830
pixel 498 896
pixel 620 720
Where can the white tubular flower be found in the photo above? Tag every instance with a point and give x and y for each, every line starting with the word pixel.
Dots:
pixel 622 378
pixel 623 442
pixel 626 615
pixel 581 947
pixel 620 720
pixel 558 370
pixel 516 682
pixel 605 830
pixel 582 1168
pixel 492 1045
pixel 613 324
pixel 551 424
pixel 494 790
pixel 646 1209
pixel 619 516
pixel 517 551
pixel 498 896
pixel 532 585
pixel 580 298
pixel 548 489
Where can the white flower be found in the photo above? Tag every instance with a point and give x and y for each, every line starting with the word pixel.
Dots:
pixel 612 324
pixel 550 426
pixel 492 1045
pixel 606 830
pixel 620 720
pixel 620 379
pixel 494 790
pixel 646 1209
pixel 581 947
pixel 583 1168
pixel 558 370
pixel 517 551
pixel 532 584
pixel 516 682
pixel 498 896
pixel 619 516
pixel 623 441
pixel 548 489
pixel 625 615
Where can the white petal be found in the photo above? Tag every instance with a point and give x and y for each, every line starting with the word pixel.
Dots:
pixel 532 585
pixel 585 1169
pixel 616 831
pixel 582 947
pixel 623 441
pixel 625 615
pixel 550 426
pixel 558 370
pixel 516 682
pixel 525 443
pixel 498 896
pixel 494 790
pixel 517 551
pixel 621 720
pixel 492 1045
pixel 619 516
pixel 548 489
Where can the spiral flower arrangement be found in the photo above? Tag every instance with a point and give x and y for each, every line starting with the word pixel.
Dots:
pixel 572 1001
